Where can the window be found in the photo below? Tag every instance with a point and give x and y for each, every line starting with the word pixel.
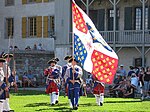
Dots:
pixel 32 26
pixel 138 18
pixel 9 27
pixel 111 18
pixel 9 2
pixel 31 1
pixel 49 26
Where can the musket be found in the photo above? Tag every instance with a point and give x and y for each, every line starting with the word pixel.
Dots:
pixel 14 74
pixel 14 70
pixel 7 64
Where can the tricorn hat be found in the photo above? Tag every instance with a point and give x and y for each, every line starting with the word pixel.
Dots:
pixel 2 60
pixel 67 57
pixel 71 59
pixel 57 59
pixel 51 61
pixel 5 55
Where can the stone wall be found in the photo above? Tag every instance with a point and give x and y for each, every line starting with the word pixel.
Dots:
pixel 36 61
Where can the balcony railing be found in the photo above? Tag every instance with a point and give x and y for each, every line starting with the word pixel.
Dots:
pixel 126 37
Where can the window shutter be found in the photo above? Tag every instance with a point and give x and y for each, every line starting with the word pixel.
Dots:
pixel 24 27
pixel 39 26
pixel 46 0
pixel 128 18
pixel 148 17
pixel 38 1
pixel 24 1
pixel 101 21
pixel 45 30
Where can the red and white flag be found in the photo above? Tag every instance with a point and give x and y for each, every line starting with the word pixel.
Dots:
pixel 90 49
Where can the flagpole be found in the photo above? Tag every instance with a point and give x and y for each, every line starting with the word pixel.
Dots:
pixel 72 39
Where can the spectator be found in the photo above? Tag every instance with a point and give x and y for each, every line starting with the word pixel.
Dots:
pixel 35 47
pixel 113 89
pixel 11 48
pixel 141 80
pixel 146 82
pixel 18 82
pixel 25 80
pixel 39 47
pixel 130 91
pixel 28 48
pixel 31 79
pixel 122 71
pixel 16 48
pixel 89 80
pixel 134 80
pixel 131 71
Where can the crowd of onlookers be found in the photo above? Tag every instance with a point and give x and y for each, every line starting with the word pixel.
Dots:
pixel 135 81
pixel 127 84
pixel 27 80
pixel 28 48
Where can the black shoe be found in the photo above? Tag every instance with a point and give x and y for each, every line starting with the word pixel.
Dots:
pixel 75 108
pixel 11 111
pixel 101 104
pixel 52 104
pixel 56 101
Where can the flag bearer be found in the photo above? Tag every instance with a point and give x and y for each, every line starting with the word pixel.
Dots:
pixel 64 68
pixel 72 77
pixel 98 91
pixel 52 81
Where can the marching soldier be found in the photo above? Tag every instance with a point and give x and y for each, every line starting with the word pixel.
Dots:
pixel 98 91
pixel 3 86
pixel 64 68
pixel 72 77
pixel 9 79
pixel 53 79
pixel 60 73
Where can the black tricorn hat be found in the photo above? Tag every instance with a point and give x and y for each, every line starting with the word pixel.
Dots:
pixel 67 57
pixel 57 59
pixel 131 67
pixel 5 55
pixel 51 61
pixel 71 59
pixel 2 60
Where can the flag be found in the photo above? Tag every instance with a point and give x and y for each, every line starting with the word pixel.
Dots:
pixel 90 49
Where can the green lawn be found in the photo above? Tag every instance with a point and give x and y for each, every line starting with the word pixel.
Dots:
pixel 34 101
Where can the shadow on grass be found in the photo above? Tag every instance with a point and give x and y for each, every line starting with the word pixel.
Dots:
pixel 45 104
pixel 59 107
pixel 37 104
pixel 27 92
pixel 123 101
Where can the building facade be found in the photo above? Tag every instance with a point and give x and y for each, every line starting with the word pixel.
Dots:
pixel 127 32
pixel 27 30
pixel 124 24
pixel 25 23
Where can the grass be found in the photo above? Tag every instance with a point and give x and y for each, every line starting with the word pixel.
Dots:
pixel 34 101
